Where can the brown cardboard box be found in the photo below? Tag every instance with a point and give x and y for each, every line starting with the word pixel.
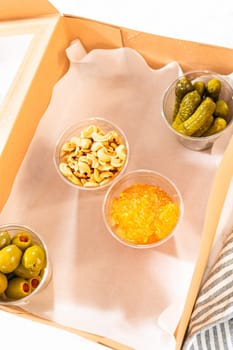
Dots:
pixel 44 65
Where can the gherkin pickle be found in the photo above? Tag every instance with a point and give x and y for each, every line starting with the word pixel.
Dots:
pixel 198 118
pixel 200 87
pixel 204 127
pixel 183 86
pixel 188 106
pixel 213 88
pixel 218 125
pixel 221 110
pixel 176 108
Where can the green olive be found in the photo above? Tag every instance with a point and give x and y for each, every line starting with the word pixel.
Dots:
pixel 3 282
pixel 34 282
pixel 5 239
pixel 23 272
pixel 9 258
pixel 18 288
pixel 22 239
pixel 34 258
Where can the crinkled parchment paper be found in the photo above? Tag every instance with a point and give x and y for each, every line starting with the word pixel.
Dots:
pixel 99 285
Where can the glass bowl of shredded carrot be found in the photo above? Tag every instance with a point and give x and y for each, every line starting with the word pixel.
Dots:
pixel 143 209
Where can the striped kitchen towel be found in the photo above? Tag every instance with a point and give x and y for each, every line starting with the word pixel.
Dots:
pixel 211 323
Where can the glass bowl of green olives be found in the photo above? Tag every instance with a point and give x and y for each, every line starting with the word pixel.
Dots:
pixel 198 108
pixel 25 268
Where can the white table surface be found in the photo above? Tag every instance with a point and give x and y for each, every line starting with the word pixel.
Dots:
pixel 208 21
pixel 199 21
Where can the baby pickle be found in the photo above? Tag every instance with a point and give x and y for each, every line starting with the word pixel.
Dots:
pixel 183 86
pixel 199 87
pixel 214 88
pixel 218 125
pixel 222 109
pixel 204 127
pixel 187 107
pixel 198 118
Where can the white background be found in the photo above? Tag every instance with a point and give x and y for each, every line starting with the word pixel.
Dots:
pixel 201 21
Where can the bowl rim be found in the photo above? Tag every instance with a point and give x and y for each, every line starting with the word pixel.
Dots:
pixel 89 121
pixel 186 137
pixel 145 172
pixel 47 271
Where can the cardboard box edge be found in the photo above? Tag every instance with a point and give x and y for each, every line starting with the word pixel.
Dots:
pixel 24 9
pixel 130 41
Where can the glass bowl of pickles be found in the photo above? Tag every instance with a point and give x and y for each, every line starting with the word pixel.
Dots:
pixel 198 108
pixel 143 209
pixel 25 268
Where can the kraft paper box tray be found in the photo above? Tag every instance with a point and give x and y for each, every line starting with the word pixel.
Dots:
pixel 46 62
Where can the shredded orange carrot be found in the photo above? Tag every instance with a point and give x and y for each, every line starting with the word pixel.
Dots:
pixel 144 214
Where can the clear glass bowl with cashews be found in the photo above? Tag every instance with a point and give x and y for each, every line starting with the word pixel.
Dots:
pixel 91 154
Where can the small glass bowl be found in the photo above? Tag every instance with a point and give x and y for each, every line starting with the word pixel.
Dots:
pixel 191 142
pixel 75 131
pixel 45 274
pixel 146 177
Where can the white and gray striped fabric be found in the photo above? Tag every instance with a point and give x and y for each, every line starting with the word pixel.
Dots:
pixel 211 323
